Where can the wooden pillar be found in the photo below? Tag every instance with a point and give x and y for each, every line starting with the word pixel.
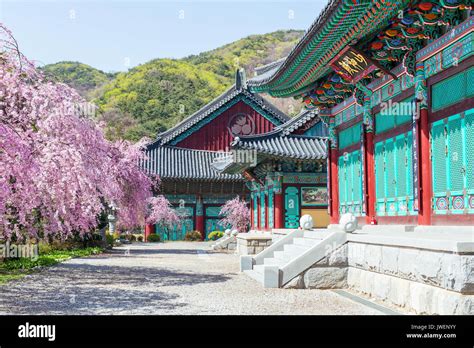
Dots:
pixel 252 223
pixel 279 213
pixel 370 176
pixel 424 163
pixel 259 216
pixel 333 177
pixel 200 218
pixel 267 208
pixel 149 229
pixel 424 216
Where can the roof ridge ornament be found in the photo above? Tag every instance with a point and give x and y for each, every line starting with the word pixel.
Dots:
pixel 240 79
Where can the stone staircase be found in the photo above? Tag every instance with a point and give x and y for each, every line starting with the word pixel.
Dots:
pixel 291 255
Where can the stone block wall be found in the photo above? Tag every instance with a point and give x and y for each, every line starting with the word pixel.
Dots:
pixel 450 271
pixel 419 280
pixel 250 245
pixel 328 273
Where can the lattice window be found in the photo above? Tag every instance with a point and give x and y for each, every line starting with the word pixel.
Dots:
pixel 349 180
pixel 390 176
pixel 401 165
pixel 384 122
pixel 455 154
pixel 438 157
pixel 469 136
pixel 409 171
pixel 350 136
pixel 470 83
pixel 342 180
pixel 379 170
pixel 449 91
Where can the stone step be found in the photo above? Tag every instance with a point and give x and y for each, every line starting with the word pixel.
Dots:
pixel 274 261
pixel 305 241
pixel 258 269
pixel 296 248
pixel 286 255
pixel 315 234
pixel 255 275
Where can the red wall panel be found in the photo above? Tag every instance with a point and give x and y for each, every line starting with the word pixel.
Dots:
pixel 216 136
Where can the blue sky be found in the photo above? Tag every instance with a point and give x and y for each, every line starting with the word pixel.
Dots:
pixel 114 35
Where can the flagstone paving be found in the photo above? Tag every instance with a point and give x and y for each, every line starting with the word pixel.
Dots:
pixel 165 278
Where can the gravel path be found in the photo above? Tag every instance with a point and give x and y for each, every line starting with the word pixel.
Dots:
pixel 169 278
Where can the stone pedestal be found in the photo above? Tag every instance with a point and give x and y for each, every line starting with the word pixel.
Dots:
pixel 253 243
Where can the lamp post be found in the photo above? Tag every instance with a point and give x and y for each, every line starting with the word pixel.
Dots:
pixel 181 212
pixel 112 218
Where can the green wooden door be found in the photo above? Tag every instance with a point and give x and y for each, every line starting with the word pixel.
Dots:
pixel 394 176
pixel 452 152
pixel 292 207
pixel 212 219
pixel 262 209
pixel 255 210
pixel 380 178
pixel 350 183
pixel 469 146
pixel 177 232
pixel 342 182
pixel 356 177
pixel 271 222
pixel 456 164
pixel 438 162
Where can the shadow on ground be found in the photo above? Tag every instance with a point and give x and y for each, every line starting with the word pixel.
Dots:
pixel 139 252
pixel 75 288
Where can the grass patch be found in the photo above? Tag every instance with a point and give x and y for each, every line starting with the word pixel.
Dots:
pixel 11 269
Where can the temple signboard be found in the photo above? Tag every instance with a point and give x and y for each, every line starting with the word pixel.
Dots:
pixel 353 65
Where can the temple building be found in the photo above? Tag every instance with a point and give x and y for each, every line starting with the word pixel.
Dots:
pixel 287 176
pixel 394 82
pixel 181 157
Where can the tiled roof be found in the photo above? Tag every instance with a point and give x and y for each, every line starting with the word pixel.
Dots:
pixel 338 25
pixel 237 90
pixel 170 162
pixel 296 122
pixel 292 146
pixel 281 65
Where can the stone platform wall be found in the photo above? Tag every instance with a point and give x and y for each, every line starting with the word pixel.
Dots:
pixel 422 281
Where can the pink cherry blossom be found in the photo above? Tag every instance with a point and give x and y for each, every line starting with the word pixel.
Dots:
pixel 161 212
pixel 57 170
pixel 236 214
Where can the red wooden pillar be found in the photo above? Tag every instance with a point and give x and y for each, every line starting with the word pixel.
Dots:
pixel 266 212
pixel 200 218
pixel 278 202
pixel 259 216
pixel 424 216
pixel 370 176
pixel 149 229
pixel 252 223
pixel 333 177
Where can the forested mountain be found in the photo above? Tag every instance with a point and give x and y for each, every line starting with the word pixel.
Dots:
pixel 156 95
pixel 81 77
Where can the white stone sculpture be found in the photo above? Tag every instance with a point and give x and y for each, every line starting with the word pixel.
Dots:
pixel 306 222
pixel 227 232
pixel 234 232
pixel 348 222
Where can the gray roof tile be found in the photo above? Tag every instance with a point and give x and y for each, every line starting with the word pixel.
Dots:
pixel 169 162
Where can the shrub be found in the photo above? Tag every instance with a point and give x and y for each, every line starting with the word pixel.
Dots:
pixel 154 238
pixel 193 236
pixel 44 248
pixel 110 240
pixel 215 235
pixel 140 238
